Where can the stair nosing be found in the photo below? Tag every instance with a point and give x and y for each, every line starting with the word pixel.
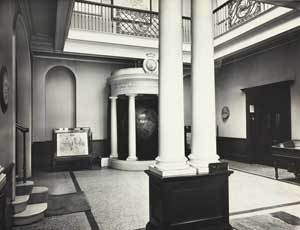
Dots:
pixel 43 208
pixel 26 199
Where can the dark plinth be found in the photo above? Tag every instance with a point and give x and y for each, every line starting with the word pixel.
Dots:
pixel 72 163
pixel 189 202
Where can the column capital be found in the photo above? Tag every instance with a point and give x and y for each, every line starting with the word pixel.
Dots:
pixel 113 97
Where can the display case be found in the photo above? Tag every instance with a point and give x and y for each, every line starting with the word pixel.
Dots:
pixel 287 155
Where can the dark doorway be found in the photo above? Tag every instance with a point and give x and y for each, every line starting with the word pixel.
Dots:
pixel 146 127
pixel 268 119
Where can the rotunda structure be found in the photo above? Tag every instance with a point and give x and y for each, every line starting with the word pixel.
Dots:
pixel 134 117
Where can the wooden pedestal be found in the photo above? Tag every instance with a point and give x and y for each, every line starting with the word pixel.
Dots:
pixel 189 202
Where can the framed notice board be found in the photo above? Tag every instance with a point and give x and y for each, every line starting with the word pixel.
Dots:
pixel 71 145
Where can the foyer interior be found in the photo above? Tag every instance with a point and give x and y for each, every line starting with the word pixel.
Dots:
pixel 152 93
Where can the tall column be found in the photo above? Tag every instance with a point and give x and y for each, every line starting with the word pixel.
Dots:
pixel 171 159
pixel 113 128
pixel 203 87
pixel 132 131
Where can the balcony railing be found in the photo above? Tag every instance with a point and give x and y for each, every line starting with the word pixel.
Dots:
pixel 236 12
pixel 99 17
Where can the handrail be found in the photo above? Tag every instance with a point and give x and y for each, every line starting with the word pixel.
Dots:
pixel 24 131
pixel 221 6
pixel 234 13
pixel 116 6
pixel 22 128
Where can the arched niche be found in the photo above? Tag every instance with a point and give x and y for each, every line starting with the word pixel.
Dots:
pixel 60 99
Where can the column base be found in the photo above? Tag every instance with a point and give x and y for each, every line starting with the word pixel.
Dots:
pixel 132 159
pixel 201 165
pixel 188 171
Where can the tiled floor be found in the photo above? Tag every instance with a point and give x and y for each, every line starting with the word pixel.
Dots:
pixel 119 199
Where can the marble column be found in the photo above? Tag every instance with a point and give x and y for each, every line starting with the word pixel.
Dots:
pixel 203 87
pixel 113 128
pixel 132 129
pixel 171 160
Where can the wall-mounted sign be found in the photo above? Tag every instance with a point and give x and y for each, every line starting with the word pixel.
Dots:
pixel 225 113
pixel 4 89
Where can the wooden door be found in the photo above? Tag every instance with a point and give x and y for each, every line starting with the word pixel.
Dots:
pixel 268 119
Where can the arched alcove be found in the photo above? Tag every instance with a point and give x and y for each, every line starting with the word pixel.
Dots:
pixel 60 99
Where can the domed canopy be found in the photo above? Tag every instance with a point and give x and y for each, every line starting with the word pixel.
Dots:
pixel 133 81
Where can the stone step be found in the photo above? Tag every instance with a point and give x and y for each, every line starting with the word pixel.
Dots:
pixel 20 202
pixel 24 188
pixel 38 194
pixel 32 213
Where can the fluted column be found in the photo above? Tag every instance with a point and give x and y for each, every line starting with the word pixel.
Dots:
pixel 203 87
pixel 132 129
pixel 171 159
pixel 113 128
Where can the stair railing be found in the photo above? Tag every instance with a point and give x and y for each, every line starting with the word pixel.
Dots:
pixel 23 130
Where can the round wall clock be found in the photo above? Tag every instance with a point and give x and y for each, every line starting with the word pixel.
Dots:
pixel 225 113
pixel 4 89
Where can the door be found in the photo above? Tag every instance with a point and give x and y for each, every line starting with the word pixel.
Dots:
pixel 268 119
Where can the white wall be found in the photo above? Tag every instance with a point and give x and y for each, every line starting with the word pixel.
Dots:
pixel 91 95
pixel 278 64
pixel 60 99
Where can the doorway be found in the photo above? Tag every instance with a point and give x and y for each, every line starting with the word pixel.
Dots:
pixel 268 115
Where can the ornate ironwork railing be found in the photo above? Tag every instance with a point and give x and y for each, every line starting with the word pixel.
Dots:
pixel 236 12
pixel 99 17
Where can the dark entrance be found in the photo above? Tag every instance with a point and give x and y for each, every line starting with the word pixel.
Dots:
pixel 146 107
pixel 268 119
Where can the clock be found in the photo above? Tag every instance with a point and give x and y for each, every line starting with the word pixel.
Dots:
pixel 225 113
pixel 4 89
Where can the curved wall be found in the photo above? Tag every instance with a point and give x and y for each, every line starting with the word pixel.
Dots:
pixel 23 94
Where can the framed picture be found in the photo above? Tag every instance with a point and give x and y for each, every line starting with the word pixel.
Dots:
pixel 4 89
pixel 72 142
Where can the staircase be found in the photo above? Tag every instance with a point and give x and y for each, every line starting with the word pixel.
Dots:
pixel 30 203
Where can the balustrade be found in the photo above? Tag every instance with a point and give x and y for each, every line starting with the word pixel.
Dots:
pixel 105 18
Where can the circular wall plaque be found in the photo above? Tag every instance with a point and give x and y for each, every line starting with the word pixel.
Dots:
pixel 150 64
pixel 4 89
pixel 225 113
